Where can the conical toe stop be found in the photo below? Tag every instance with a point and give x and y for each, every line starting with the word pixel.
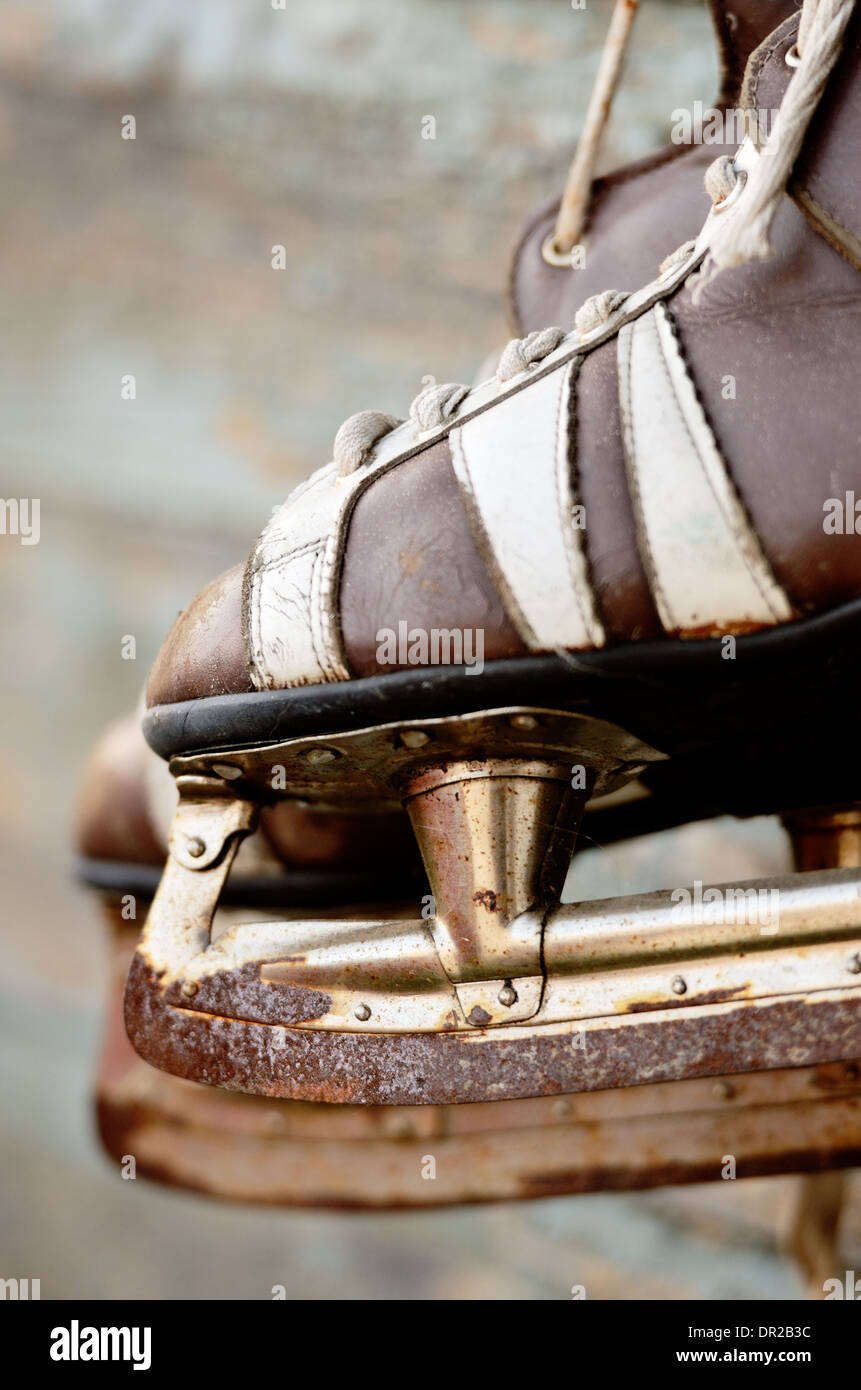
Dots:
pixel 497 839
pixel 487 989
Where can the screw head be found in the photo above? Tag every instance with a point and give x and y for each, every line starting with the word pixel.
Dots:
pixel 320 755
pixel 195 846
pixel 679 986
pixel 414 738
pixel 227 770
pixel 722 1090
pixel 190 988
pixel 363 1013
pixel 853 965
pixel 523 721
pixel 507 995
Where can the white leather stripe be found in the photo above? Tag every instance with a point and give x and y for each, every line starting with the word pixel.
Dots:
pixel 282 614
pixel 704 560
pixel 513 468
pixel 293 631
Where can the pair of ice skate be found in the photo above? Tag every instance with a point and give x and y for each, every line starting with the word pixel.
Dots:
pixel 695 641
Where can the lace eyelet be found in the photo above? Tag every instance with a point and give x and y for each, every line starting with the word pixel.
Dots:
pixel 792 57
pixel 734 194
pixel 553 256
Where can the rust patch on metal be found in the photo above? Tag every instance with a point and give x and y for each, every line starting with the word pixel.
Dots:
pixel 486 898
pixel 241 994
pixel 687 1001
pixel 479 1016
pixel 605 1178
pixel 423 1069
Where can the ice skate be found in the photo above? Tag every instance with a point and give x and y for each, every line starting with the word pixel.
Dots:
pixel 624 559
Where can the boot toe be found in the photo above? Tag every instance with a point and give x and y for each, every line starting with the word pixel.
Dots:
pixel 204 652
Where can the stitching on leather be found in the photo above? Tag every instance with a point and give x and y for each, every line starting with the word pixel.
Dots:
pixel 249 625
pixel 832 228
pixel 564 402
pixel 314 611
pixel 573 463
pixel 260 650
pixel 759 58
pixel 282 558
pixel 328 599
pixel 625 357
pixel 653 328
pixel 325 604
pixel 784 309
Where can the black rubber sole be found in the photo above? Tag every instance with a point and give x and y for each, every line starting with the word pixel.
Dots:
pixel 788 694
pixel 403 878
pixel 293 888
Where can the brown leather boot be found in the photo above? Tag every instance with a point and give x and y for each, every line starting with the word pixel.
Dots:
pixel 623 222
pixel 619 558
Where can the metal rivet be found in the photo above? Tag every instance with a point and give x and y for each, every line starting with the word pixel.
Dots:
pixel 562 1109
pixel 190 988
pixel 195 847
pixel 507 995
pixel 320 755
pixel 853 965
pixel 363 1013
pixel 722 1090
pixel 523 721
pixel 227 771
pixel 678 986
pixel 414 738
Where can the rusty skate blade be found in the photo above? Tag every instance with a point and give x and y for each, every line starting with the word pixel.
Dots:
pixel 284 1153
pixel 631 995
pixel 264 1151
pixel 492 990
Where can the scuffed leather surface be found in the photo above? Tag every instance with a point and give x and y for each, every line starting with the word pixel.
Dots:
pixel 410 557
pixel 204 652
pixel 706 567
pixel 829 166
pixel 642 212
pixel 633 225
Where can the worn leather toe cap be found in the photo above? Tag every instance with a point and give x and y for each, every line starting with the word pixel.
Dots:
pixel 204 652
